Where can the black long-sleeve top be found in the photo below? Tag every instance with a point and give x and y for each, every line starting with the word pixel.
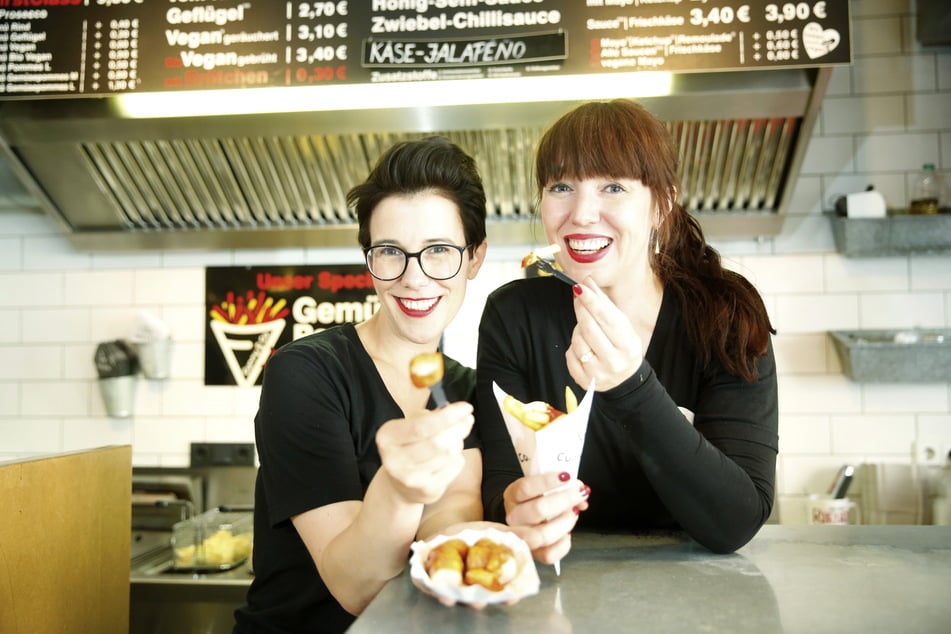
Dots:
pixel 647 465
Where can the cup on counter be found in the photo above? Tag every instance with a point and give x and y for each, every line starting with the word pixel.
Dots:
pixel 824 509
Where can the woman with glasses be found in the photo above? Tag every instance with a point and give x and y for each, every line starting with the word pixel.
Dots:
pixel 682 433
pixel 356 461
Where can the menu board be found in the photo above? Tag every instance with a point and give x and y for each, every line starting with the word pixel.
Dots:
pixel 51 48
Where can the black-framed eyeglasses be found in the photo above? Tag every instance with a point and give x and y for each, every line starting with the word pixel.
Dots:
pixel 387 262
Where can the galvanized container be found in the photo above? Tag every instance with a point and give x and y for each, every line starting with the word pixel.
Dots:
pixel 895 356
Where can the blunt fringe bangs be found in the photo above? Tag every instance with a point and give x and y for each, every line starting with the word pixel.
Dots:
pixel 613 139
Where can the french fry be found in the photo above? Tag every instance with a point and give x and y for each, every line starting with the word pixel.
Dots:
pixel 542 252
pixel 537 414
pixel 571 401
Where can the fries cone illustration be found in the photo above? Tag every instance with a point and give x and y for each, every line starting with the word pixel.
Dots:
pixel 247 347
pixel 247 329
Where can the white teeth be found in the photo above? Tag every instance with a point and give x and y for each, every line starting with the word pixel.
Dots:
pixel 592 244
pixel 418 304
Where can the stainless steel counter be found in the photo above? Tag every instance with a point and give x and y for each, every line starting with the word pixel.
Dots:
pixel 787 579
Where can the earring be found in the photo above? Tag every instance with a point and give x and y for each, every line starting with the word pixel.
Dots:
pixel 656 241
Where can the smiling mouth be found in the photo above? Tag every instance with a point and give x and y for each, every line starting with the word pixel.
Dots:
pixel 588 245
pixel 417 306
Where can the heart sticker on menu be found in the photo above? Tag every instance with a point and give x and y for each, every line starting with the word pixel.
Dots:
pixel 818 41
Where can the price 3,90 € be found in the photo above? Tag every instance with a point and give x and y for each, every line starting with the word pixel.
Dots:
pixel 791 11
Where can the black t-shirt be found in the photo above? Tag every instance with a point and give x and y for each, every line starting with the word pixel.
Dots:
pixel 648 467
pixel 322 402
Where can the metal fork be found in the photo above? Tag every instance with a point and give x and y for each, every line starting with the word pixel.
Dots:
pixel 550 268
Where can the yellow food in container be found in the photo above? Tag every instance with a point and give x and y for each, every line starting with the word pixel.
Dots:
pixel 213 540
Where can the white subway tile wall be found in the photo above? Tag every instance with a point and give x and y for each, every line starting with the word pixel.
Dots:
pixel 881 119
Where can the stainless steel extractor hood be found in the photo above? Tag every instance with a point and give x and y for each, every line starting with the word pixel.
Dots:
pixel 271 180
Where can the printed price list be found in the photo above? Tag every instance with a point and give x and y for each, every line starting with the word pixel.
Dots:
pixel 115 55
pixel 718 34
pixel 318 51
pixel 30 63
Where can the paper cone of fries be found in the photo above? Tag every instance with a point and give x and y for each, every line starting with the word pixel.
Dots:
pixel 557 445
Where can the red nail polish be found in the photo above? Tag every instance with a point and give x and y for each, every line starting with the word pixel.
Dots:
pixel 576 510
pixel 577 290
pixel 564 476
pixel 585 491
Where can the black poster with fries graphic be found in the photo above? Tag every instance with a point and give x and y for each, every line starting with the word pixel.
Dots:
pixel 253 310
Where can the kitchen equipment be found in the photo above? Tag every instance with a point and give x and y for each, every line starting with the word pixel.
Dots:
pixel 213 541
pixel 840 486
pixel 159 501
pixel 165 496
pixel 164 599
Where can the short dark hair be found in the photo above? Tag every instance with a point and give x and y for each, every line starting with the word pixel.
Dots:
pixel 429 164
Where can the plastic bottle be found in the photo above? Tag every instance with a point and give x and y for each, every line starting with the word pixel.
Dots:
pixel 927 191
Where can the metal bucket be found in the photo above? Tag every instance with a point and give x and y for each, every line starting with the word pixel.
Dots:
pixel 118 395
pixel 155 358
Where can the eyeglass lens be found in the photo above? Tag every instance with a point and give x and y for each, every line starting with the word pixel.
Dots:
pixel 438 261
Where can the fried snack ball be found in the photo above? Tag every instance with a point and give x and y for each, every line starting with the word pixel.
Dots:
pixel 446 562
pixel 485 563
pixel 490 565
pixel 426 369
